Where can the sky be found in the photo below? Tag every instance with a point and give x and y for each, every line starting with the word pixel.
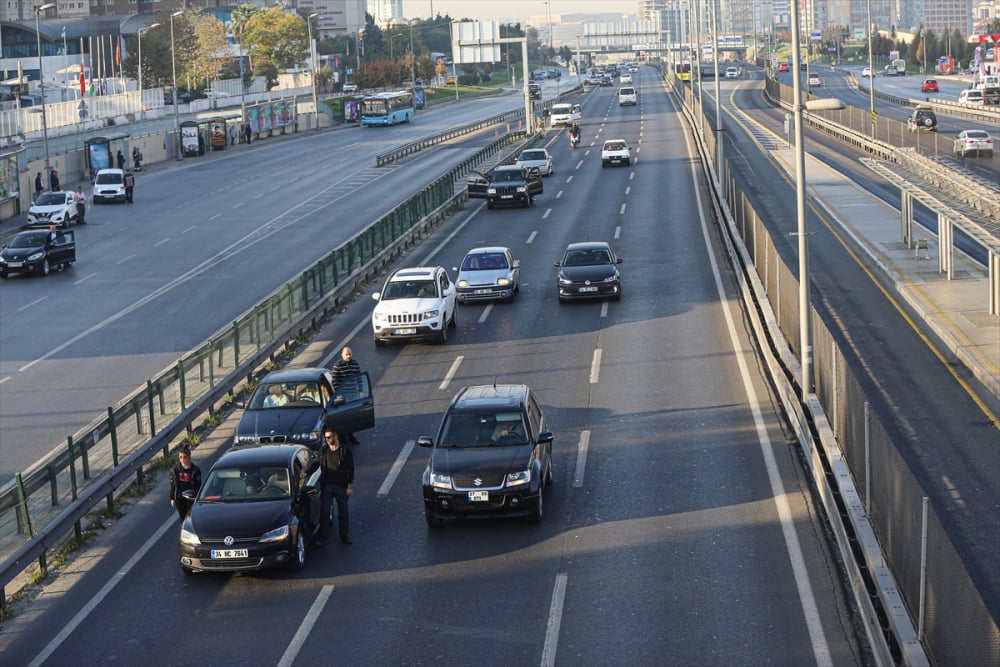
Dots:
pixel 511 9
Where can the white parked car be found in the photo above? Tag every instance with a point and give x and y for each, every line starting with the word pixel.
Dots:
pixel 536 157
pixel 109 185
pixel 564 114
pixel 615 151
pixel 488 273
pixel 417 303
pixel 52 208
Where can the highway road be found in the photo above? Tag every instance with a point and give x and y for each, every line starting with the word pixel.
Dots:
pixel 680 527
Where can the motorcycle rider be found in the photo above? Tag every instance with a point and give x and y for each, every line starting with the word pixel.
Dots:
pixel 574 134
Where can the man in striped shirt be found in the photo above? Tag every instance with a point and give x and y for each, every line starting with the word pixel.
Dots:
pixel 344 368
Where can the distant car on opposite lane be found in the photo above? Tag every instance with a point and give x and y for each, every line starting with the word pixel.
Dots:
pixel 536 157
pixel 814 80
pixel 488 273
pixel 588 271
pixel 929 86
pixel 783 67
pixel 976 142
pixel 350 87
pixel 732 73
pixel 866 72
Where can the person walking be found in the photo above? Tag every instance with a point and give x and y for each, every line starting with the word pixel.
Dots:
pixel 39 185
pixel 54 181
pixel 246 133
pixel 129 182
pixel 121 160
pixel 336 481
pixel 136 159
pixel 184 476
pixel 81 205
pixel 346 367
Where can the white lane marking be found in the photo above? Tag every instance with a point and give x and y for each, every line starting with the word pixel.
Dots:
pixel 595 367
pixel 555 621
pixel 579 164
pixel 486 313
pixel 397 467
pixel 628 190
pixel 569 178
pixel 532 236
pixel 258 195
pixel 4 379
pixel 618 232
pixel 821 649
pixel 159 243
pixel 546 214
pixel 99 596
pixel 581 458
pixel 217 215
pixel 126 258
pixel 631 175
pixel 604 309
pixel 559 194
pixel 35 302
pixel 238 204
pixel 189 229
pixel 451 372
pixel 305 628
pixel 621 211
pixel 85 278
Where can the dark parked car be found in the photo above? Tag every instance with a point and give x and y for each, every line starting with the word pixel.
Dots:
pixel 258 508
pixel 492 456
pixel 292 406
pixel 511 185
pixel 33 252
pixel 587 271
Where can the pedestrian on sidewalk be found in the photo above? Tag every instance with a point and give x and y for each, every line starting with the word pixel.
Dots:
pixel 81 205
pixel 184 476
pixel 336 483
pixel 129 182
pixel 39 185
pixel 54 181
pixel 246 133
pixel 121 160
pixel 136 159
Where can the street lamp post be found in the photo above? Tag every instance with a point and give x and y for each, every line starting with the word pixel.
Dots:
pixel 173 67
pixel 871 71
pixel 243 84
pixel 41 83
pixel 142 107
pixel 312 65
pixel 413 64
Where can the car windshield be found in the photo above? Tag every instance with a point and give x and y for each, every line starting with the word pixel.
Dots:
pixel 614 146
pixel 29 240
pixel 586 257
pixel 561 108
pixel 508 175
pixel 409 289
pixel 50 199
pixel 532 155
pixel 273 395
pixel 492 261
pixel 248 484
pixel 108 179
pixel 483 429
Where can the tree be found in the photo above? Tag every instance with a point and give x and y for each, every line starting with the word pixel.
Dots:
pixel 211 52
pixel 277 41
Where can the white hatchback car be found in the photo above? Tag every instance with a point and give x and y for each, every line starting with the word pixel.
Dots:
pixel 732 73
pixel 536 157
pixel 52 208
pixel 417 303
pixel 109 185
pixel 626 78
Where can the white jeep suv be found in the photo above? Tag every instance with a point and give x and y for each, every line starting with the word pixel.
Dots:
pixel 417 303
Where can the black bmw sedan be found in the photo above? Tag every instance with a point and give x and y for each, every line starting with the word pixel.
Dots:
pixel 259 507
pixel 589 271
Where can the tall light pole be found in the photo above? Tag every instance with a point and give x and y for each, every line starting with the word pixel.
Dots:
pixel 173 68
pixel 871 70
pixel 312 65
pixel 41 83
pixel 413 64
pixel 142 107
pixel 243 83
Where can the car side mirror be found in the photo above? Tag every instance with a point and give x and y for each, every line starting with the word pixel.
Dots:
pixel 557 264
pixel 618 260
pixel 425 441
pixel 545 437
pixel 188 494
pixel 240 404
pixel 338 401
pixel 375 296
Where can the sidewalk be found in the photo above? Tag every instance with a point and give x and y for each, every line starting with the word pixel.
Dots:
pixel 956 310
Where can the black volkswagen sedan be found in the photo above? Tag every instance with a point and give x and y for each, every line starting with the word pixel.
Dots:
pixel 258 508
pixel 293 406
pixel 589 271
pixel 37 251
pixel 492 456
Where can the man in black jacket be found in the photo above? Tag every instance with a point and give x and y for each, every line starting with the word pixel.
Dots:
pixel 343 369
pixel 184 476
pixel 336 480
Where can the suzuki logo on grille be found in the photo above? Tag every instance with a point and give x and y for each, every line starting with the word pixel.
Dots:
pixel 228 540
pixel 477 481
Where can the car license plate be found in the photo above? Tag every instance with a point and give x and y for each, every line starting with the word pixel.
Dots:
pixel 479 496
pixel 229 553
pixel 405 332
pixel 506 196
pixel 482 291
pixel 588 289
pixel 15 265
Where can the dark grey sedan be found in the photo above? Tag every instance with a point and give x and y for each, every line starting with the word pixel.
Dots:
pixel 589 271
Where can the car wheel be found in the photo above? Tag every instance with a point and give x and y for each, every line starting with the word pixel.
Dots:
pixel 453 322
pixel 489 204
pixel 628 162
pixel 379 342
pixel 443 335
pixel 3 275
pixel 432 520
pixel 539 512
pixel 45 267
pixel 299 555
pixel 549 478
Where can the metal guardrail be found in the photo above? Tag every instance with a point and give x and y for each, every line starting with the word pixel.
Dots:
pixel 59 491
pixel 973 112
pixel 416 146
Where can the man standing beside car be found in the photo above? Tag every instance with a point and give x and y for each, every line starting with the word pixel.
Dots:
pixel 129 182
pixel 336 480
pixel 184 476
pixel 81 205
pixel 344 368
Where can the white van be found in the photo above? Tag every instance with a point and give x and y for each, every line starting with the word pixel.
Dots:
pixel 564 114
pixel 626 95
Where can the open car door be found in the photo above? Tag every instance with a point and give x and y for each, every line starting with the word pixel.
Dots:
pixel 477 183
pixel 353 406
pixel 534 181
pixel 63 250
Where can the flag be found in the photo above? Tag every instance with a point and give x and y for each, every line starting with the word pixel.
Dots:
pixel 118 52
pixel 83 84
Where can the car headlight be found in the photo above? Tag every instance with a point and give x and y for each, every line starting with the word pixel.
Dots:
pixel 3 260
pixel 35 256
pixel 491 191
pixel 439 481
pixel 563 280
pixel 519 478
pixel 612 278
pixel 379 317
pixel 503 282
pixel 189 538
pixel 276 535
pixel 431 314
pixel 463 283
pixel 521 188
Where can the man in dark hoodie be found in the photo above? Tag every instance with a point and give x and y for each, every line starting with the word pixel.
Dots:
pixel 337 482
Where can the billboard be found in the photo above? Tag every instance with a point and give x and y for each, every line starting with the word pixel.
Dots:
pixel 479 42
